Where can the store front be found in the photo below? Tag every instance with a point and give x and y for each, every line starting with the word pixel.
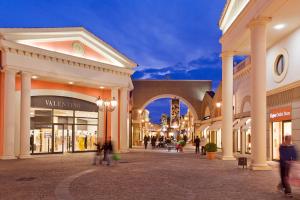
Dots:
pixel 280 126
pixel 215 134
pixel 62 124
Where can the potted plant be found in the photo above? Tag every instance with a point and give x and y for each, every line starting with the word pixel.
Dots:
pixel 211 149
pixel 180 145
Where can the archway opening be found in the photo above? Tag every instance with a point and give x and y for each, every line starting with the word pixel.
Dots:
pixel 164 119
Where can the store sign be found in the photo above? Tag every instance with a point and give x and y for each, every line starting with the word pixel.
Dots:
pixel 281 114
pixel 63 103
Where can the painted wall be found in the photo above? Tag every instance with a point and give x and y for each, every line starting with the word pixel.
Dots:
pixel 291 43
pixel 241 89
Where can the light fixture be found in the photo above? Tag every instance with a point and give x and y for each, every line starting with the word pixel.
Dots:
pixel 279 26
pixel 71 82
pixel 101 87
pixel 34 77
pixel 140 111
pixel 218 104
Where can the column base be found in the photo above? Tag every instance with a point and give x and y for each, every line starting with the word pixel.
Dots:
pixel 25 156
pixel 228 158
pixel 8 157
pixel 260 167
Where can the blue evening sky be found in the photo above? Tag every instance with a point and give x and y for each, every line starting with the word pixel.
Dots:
pixel 169 39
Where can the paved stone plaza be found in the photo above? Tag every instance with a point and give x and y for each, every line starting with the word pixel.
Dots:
pixel 139 175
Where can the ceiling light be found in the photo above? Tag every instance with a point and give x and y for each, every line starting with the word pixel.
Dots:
pixel 71 82
pixel 34 77
pixel 279 26
pixel 101 87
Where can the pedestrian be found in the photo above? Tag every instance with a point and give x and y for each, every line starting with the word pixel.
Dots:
pixel 146 141
pixel 197 144
pixel 202 144
pixel 108 151
pixel 98 153
pixel 153 141
pixel 288 154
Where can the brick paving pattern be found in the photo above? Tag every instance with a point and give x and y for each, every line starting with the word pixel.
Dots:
pixel 138 176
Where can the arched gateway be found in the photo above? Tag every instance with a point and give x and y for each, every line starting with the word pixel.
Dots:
pixel 191 92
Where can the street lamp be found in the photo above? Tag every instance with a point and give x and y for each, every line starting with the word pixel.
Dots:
pixel 106 106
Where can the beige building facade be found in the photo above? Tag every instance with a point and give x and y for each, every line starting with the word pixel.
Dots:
pixel 264 92
pixel 50 80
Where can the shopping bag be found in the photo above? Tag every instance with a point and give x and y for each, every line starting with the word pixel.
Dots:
pixel 294 176
pixel 116 156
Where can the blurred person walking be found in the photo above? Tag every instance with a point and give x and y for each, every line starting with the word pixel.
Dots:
pixel 146 141
pixel 98 153
pixel 197 144
pixel 288 154
pixel 202 144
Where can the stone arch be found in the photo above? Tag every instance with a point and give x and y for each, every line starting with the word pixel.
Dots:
pixel 191 108
pixel 246 101
pixel 206 106
pixel 191 92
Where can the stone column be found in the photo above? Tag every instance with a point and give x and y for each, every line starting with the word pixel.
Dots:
pixel 115 121
pixel 227 105
pixel 124 129
pixel 258 41
pixel 25 115
pixel 9 114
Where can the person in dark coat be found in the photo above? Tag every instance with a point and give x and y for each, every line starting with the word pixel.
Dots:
pixel 146 138
pixel 288 154
pixel 197 144
pixel 98 153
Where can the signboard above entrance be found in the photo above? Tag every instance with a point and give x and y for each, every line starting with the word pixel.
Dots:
pixel 63 103
pixel 281 114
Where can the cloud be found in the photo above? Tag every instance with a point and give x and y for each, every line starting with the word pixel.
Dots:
pixel 202 68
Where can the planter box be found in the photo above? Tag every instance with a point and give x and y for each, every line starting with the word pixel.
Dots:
pixel 210 155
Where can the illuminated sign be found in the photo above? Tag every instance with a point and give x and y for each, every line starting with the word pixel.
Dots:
pixel 281 114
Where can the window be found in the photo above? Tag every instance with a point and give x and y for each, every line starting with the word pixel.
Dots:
pixel 280 66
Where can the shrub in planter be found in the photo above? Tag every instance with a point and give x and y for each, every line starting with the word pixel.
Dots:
pixel 182 143
pixel 211 149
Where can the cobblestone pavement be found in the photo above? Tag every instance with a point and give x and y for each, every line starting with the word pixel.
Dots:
pixel 138 175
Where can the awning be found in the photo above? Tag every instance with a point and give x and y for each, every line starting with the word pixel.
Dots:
pixel 203 127
pixel 215 126
pixel 241 123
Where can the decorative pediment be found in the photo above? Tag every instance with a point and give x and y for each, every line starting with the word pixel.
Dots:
pixel 71 41
pixel 231 11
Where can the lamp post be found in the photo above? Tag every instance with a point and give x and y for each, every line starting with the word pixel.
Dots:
pixel 106 106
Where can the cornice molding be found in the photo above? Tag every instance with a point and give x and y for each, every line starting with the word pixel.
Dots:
pixel 37 53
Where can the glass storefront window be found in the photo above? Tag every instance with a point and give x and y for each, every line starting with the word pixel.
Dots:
pixel 248 141
pixel 58 131
pixel 219 139
pixel 280 130
pixel 239 139
pixel 85 137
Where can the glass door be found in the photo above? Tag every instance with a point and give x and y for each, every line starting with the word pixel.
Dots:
pixel 68 135
pixel 58 136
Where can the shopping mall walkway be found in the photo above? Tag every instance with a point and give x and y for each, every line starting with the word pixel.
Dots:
pixel 139 175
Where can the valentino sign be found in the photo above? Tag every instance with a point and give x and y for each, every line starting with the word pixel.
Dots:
pixel 281 114
pixel 64 103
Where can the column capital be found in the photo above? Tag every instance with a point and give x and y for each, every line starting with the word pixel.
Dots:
pixel 225 54
pixel 259 21
pixel 25 73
